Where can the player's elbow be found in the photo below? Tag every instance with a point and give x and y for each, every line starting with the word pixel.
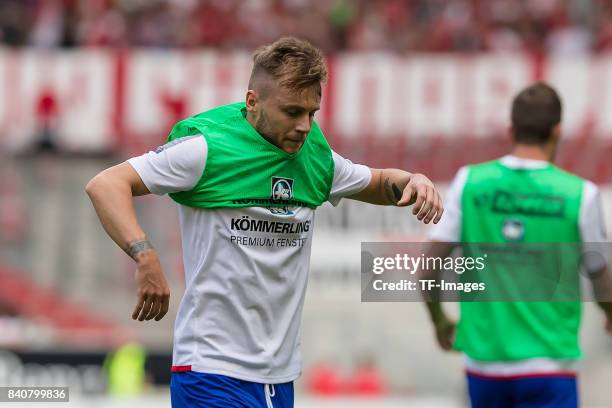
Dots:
pixel 96 185
pixel 92 186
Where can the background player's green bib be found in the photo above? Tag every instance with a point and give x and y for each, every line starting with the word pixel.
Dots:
pixel 507 207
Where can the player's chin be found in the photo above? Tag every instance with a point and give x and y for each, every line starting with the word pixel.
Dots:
pixel 292 146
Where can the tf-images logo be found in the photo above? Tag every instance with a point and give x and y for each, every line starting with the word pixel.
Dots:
pixel 282 189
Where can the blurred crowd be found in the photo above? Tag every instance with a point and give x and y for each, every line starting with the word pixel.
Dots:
pixel 556 26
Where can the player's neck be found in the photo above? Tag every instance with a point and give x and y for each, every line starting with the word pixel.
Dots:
pixel 249 118
pixel 253 122
pixel 534 152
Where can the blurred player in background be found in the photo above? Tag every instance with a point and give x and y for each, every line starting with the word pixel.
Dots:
pixel 247 178
pixel 521 353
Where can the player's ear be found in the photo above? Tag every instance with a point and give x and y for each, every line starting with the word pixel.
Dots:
pixel 556 132
pixel 251 101
pixel 553 142
pixel 510 135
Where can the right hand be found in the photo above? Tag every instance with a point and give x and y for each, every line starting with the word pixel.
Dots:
pixel 152 288
pixel 445 333
pixel 427 201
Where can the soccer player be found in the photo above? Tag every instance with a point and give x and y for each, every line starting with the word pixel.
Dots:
pixel 247 178
pixel 521 354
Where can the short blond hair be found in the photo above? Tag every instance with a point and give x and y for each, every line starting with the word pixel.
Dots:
pixel 295 63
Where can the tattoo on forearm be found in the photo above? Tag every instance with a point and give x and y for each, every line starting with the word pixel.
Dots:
pixel 137 247
pixel 392 192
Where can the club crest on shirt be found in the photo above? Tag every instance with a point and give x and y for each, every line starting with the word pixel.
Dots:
pixel 282 190
pixel 513 230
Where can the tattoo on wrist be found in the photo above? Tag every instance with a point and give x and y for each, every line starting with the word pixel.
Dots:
pixel 392 192
pixel 137 247
pixel 396 192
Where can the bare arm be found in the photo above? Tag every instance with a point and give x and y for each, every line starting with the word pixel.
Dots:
pixel 444 327
pixel 111 193
pixel 602 288
pixel 595 250
pixel 400 188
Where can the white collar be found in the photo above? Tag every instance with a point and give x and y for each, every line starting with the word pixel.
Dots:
pixel 514 162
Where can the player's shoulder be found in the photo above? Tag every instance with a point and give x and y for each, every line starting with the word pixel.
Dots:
pixel 590 190
pixel 480 170
pixel 215 116
pixel 218 115
pixel 232 108
pixel 184 144
pixel 573 182
pixel 570 176
pixel 207 122
pixel 486 165
pixel 479 175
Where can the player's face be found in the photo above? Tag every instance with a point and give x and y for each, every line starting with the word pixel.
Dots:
pixel 285 117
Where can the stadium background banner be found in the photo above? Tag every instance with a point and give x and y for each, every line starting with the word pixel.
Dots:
pixel 134 96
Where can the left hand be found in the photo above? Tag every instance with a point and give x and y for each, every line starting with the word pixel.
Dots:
pixel 445 333
pixel 421 192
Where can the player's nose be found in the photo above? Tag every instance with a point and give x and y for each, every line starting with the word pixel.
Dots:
pixel 303 125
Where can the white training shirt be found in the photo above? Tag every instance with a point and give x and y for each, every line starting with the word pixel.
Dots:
pixel 592 230
pixel 241 310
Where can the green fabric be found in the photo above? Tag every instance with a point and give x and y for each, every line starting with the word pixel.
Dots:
pixel 522 210
pixel 241 165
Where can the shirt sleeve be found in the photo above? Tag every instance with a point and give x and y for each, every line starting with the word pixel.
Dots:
pixel 593 229
pixel 175 166
pixel 349 178
pixel 449 227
